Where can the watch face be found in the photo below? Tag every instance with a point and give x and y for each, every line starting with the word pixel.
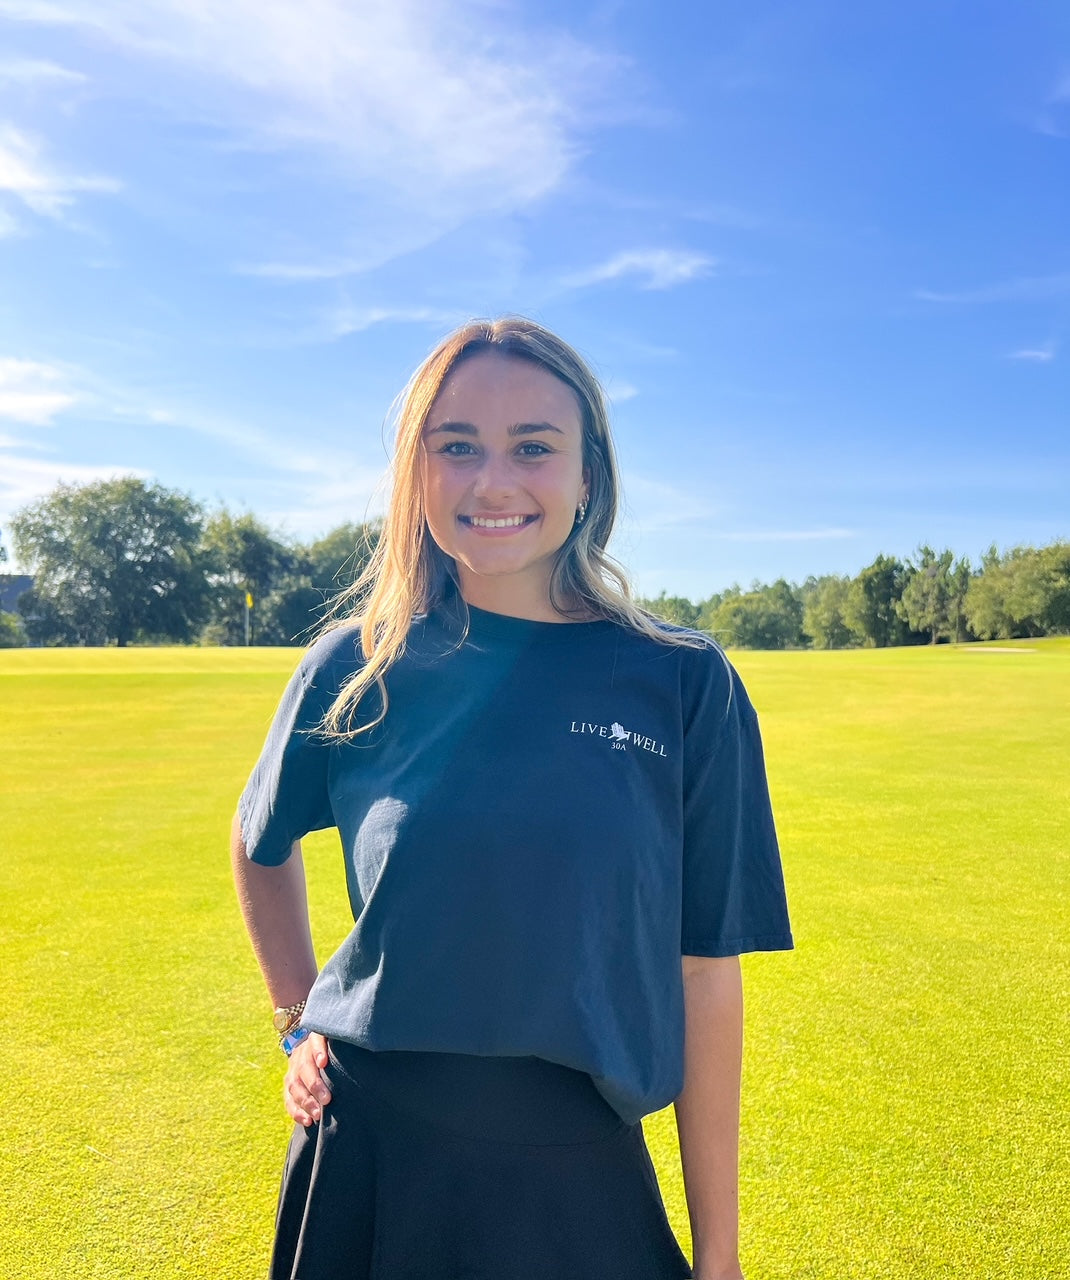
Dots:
pixel 280 1019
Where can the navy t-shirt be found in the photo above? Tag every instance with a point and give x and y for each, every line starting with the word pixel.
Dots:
pixel 549 815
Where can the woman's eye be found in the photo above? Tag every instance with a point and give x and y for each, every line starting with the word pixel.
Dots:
pixel 532 449
pixel 457 449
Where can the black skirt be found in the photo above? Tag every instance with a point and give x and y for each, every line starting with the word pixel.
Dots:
pixel 445 1166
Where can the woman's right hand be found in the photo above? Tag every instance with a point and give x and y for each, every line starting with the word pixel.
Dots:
pixel 304 1091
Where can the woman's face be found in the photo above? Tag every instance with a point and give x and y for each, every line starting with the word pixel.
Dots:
pixel 503 475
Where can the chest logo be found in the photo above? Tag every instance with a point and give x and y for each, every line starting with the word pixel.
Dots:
pixel 619 737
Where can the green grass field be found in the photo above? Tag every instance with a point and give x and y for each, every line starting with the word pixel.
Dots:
pixel 907 1074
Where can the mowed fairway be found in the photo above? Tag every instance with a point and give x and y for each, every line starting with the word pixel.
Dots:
pixel 907 1083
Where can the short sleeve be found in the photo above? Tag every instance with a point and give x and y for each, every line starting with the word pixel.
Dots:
pixel 733 883
pixel 286 796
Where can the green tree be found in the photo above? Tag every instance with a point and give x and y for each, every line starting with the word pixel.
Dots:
pixel 766 617
pixel 337 559
pixel 291 584
pixel 1038 588
pixel 707 609
pixel 322 569
pixel 1056 568
pixel 289 613
pixel 871 601
pixel 243 557
pixel 114 560
pixel 961 576
pixel 986 604
pixel 825 612
pixel 12 634
pixel 1023 592
pixel 934 593
pixel 675 609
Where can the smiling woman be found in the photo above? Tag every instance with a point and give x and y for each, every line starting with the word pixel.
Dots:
pixel 469 1071
pixel 504 481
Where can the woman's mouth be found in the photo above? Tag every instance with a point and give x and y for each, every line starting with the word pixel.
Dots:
pixel 497 522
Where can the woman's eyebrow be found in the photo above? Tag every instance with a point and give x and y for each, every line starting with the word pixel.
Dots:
pixel 517 429
pixel 531 428
pixel 460 428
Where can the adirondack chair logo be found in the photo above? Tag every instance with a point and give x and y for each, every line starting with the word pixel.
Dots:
pixel 619 737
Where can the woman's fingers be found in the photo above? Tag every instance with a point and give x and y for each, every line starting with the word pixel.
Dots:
pixel 304 1091
pixel 319 1048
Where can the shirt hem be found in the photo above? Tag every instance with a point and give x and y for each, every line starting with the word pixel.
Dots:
pixel 738 946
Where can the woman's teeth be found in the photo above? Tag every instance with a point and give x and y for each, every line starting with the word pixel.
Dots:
pixel 505 522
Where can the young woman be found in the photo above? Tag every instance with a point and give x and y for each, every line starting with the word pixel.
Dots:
pixel 557 834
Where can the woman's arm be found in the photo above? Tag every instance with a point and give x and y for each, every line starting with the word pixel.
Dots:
pixel 274 904
pixel 707 1112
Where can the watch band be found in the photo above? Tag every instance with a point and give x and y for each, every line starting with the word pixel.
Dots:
pixel 286 1018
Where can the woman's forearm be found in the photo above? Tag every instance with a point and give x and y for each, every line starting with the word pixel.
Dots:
pixel 274 905
pixel 707 1111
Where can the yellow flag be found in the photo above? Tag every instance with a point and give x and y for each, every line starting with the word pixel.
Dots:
pixel 248 599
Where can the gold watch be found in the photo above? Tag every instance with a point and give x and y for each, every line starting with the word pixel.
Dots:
pixel 286 1018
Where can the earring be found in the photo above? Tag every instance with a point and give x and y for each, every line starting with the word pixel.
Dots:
pixel 581 511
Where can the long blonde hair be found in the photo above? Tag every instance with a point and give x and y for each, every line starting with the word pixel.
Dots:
pixel 408 574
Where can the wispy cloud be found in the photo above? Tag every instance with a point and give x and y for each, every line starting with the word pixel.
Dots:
pixel 1053 120
pixel 25 479
pixel 654 504
pixel 42 188
pixel 340 320
pixel 241 436
pixel 35 71
pixel 1019 289
pixel 346 319
pixel 653 268
pixel 13 442
pixel 303 487
pixel 301 482
pixel 618 391
pixel 324 269
pixel 1036 355
pixel 641 349
pixel 32 393
pixel 297 462
pixel 444 108
pixel 785 535
pixel 351 491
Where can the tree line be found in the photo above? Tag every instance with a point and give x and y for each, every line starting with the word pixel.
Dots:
pixel 931 597
pixel 127 562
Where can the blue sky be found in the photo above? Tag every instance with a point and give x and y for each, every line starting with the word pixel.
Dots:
pixel 818 252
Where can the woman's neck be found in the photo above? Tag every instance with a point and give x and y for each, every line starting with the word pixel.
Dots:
pixel 514 598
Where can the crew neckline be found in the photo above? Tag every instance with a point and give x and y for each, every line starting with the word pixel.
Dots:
pixel 483 624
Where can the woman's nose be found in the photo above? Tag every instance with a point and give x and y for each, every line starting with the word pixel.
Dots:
pixel 495 477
